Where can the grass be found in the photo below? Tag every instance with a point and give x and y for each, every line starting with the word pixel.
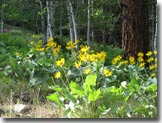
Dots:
pixel 46 110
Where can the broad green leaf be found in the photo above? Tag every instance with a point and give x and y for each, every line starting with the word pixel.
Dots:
pixel 70 97
pixel 91 80
pixel 152 88
pixel 76 89
pixel 38 77
pixel 55 98
pixel 93 96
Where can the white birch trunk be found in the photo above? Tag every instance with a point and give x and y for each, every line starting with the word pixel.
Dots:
pixel 89 21
pixel 70 24
pixel 73 20
pixel 49 31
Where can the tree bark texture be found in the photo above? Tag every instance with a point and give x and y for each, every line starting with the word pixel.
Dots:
pixel 135 27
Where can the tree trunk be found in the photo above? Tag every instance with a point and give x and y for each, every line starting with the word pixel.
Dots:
pixel 43 24
pixel 2 22
pixel 92 29
pixel 89 22
pixel 70 24
pixel 52 16
pixel 73 20
pixel 49 30
pixel 61 19
pixel 135 28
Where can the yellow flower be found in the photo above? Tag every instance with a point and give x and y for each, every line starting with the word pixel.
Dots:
pixel 50 39
pixel 51 44
pixel 77 41
pixel 140 54
pixel 60 63
pixel 149 53
pixel 132 60
pixel 56 51
pixel 114 61
pixel 87 71
pixel 141 65
pixel 155 65
pixel 70 45
pixel 84 49
pixel 119 57
pixel 150 59
pixel 83 57
pixel 107 72
pixel 155 52
pixel 153 75
pixel 17 53
pixel 77 64
pixel 101 56
pixel 123 62
pixel 151 67
pixel 155 59
pixel 57 75
pixel 140 59
pixel 92 58
pixel 40 49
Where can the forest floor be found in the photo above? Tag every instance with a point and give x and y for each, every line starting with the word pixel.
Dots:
pixel 46 110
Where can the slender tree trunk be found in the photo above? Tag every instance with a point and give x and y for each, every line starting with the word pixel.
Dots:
pixel 70 24
pixel 89 22
pixel 52 16
pixel 92 30
pixel 135 28
pixel 155 23
pixel 49 30
pixel 43 24
pixel 2 21
pixel 73 20
pixel 61 19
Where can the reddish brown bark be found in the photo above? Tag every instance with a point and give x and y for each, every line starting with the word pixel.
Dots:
pixel 135 28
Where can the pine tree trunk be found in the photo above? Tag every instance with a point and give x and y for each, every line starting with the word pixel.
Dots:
pixel 135 28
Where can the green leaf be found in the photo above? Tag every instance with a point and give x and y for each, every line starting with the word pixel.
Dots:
pixel 76 89
pixel 70 97
pixel 55 98
pixel 56 88
pixel 151 88
pixel 38 77
pixel 91 80
pixel 93 96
